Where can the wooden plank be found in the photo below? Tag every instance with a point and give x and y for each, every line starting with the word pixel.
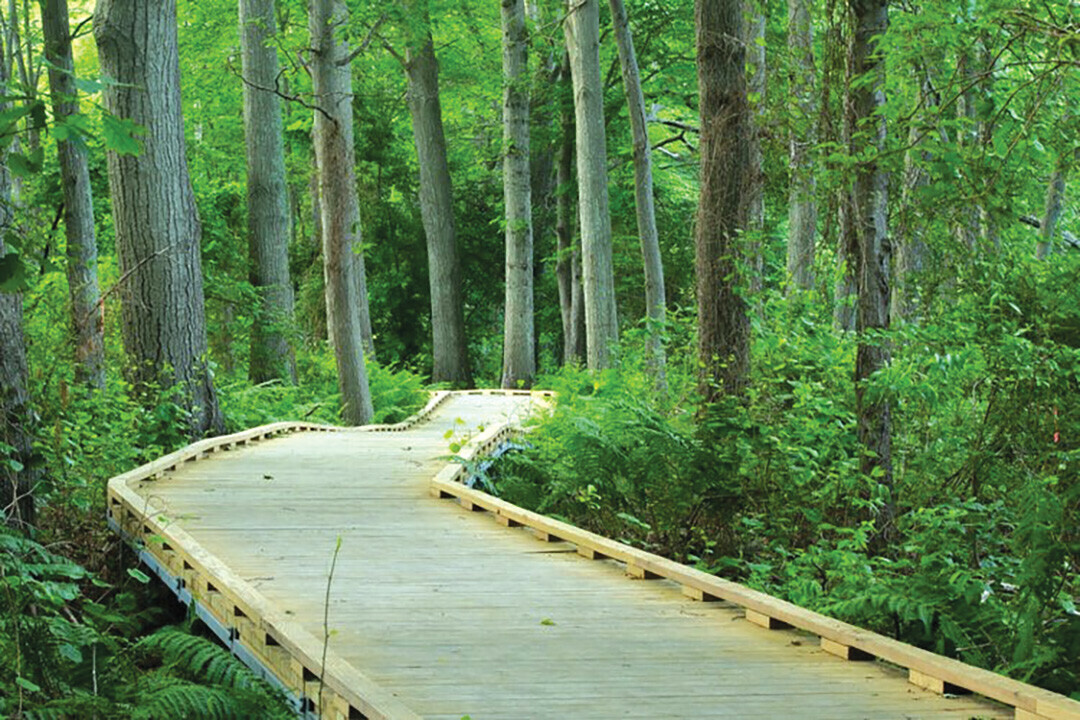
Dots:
pixel 956 673
pixel 844 651
pixel 411 576
pixel 766 621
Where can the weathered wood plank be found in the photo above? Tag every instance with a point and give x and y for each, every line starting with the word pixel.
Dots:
pixel 435 610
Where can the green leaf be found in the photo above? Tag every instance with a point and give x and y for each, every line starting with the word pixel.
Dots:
pixel 26 684
pixel 121 135
pixel 14 275
pixel 25 166
pixel 89 85
pixel 139 575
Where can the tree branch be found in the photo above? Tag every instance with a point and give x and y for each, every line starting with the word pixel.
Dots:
pixel 277 90
pixel 372 31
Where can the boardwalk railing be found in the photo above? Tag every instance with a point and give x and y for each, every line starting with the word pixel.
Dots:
pixel 291 656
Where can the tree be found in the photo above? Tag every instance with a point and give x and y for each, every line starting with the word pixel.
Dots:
pixel 1055 195
pixel 568 266
pixel 449 349
pixel 655 300
pixel 723 324
pixel 267 196
pixel 582 30
pixel 334 157
pixel 157 226
pixel 802 203
pixel 755 57
pixel 869 210
pixel 519 354
pixel 86 317
pixel 16 468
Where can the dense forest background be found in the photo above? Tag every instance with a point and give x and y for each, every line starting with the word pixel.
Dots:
pixel 853 383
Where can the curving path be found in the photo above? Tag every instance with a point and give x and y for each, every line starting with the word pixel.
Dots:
pixel 439 612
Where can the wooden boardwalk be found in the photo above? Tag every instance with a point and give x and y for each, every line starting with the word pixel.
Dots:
pixel 436 611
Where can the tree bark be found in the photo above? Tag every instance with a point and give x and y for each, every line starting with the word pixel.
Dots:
pixel 568 267
pixel 334 157
pixel 910 245
pixel 655 295
pixel 582 30
pixel 267 197
pixel 449 347
pixel 519 353
pixel 157 225
pixel 86 315
pixel 723 324
pixel 802 202
pixel 17 475
pixel 870 207
pixel 1055 196
pixel 755 39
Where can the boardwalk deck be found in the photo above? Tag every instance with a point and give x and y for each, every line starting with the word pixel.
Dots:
pixel 439 612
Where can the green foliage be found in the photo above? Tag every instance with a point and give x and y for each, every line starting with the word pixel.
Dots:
pixel 769 492
pixel 63 654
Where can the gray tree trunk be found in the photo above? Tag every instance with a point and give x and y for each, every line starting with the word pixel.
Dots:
pixel 267 197
pixel 519 353
pixel 655 295
pixel 967 230
pixel 449 347
pixel 17 477
pixel 1055 196
pixel 910 246
pixel 870 207
pixel 844 294
pixel 568 267
pixel 334 156
pixel 157 225
pixel 802 202
pixel 86 316
pixel 723 206
pixel 755 57
pixel 582 30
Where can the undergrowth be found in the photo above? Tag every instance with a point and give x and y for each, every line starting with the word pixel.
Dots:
pixel 769 491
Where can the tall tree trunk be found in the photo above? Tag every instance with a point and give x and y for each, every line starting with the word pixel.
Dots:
pixel 267 197
pixel 317 241
pixel 568 268
pixel 802 203
pixel 334 157
pixel 449 347
pixel 86 315
pixel 655 296
pixel 870 207
pixel 755 56
pixel 846 290
pixel 723 324
pixel 1055 195
pixel 582 30
pixel 909 245
pixel 17 476
pixel 519 354
pixel 157 225
pixel 967 230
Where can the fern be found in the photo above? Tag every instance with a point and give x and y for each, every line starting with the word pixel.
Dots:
pixel 199 678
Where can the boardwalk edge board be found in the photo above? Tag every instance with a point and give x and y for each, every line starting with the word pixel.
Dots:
pixel 253 628
pixel 926 669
